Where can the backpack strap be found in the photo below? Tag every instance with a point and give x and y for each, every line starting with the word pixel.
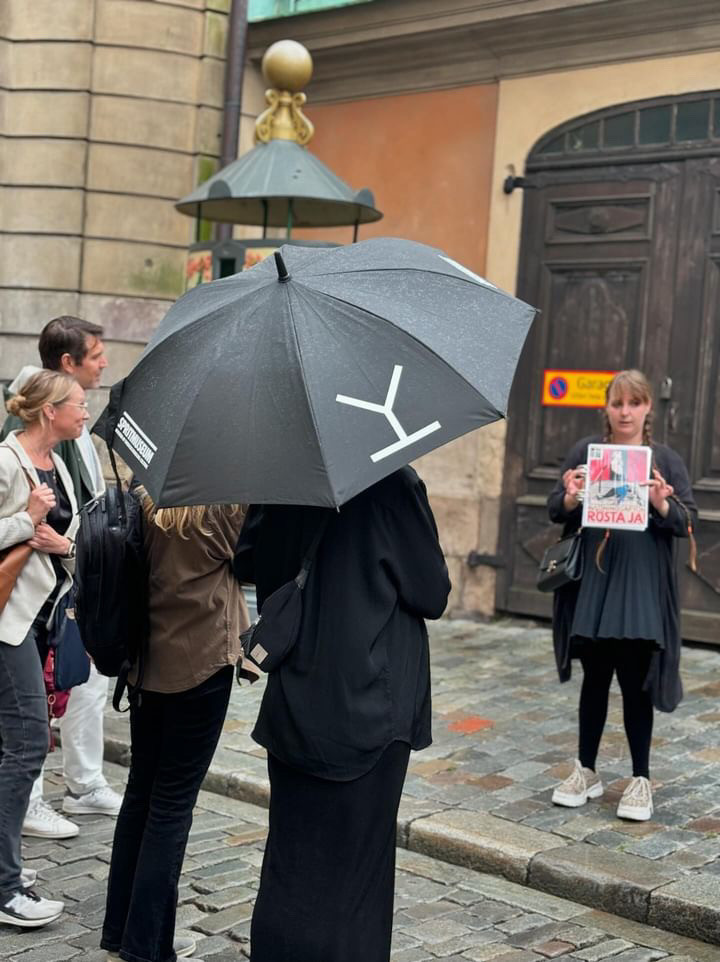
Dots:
pixel 311 552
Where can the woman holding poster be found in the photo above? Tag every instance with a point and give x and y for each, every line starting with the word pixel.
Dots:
pixel 623 615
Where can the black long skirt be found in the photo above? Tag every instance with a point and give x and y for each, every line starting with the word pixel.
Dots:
pixel 328 876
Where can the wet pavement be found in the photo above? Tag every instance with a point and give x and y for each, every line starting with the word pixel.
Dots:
pixel 442 911
pixel 504 735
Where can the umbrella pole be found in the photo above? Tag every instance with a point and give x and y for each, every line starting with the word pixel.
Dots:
pixel 265 217
pixel 355 231
pixel 289 219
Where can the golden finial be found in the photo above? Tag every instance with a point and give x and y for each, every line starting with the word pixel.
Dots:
pixel 287 66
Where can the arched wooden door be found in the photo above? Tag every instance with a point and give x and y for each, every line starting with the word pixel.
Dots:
pixel 621 253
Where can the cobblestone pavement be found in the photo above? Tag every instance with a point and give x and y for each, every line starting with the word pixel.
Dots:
pixel 442 911
pixel 505 733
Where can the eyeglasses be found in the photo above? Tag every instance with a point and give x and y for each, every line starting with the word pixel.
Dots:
pixel 75 404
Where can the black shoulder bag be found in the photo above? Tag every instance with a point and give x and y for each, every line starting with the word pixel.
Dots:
pixel 272 637
pixel 562 563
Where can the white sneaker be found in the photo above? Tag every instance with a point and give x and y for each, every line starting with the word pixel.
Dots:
pixel 41 821
pixel 29 911
pixel 28 877
pixel 578 787
pixel 183 945
pixel 636 802
pixel 99 801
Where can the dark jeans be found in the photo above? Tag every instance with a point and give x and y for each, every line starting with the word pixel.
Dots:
pixel 24 743
pixel 173 738
pixel 601 659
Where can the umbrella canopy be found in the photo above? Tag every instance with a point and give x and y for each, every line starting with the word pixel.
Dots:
pixel 259 187
pixel 315 374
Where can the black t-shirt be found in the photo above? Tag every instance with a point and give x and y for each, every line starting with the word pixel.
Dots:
pixel 58 517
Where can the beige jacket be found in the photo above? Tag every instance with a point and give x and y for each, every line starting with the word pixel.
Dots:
pixel 37 578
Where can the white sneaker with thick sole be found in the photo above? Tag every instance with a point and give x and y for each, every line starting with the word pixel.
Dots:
pixel 184 947
pixel 580 785
pixel 100 801
pixel 29 911
pixel 28 877
pixel 41 821
pixel 636 803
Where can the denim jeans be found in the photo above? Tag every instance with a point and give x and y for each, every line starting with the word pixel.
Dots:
pixel 173 738
pixel 24 741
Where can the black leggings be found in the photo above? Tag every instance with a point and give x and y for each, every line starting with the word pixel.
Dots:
pixel 630 658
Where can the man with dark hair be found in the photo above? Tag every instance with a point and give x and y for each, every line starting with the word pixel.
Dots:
pixel 74 346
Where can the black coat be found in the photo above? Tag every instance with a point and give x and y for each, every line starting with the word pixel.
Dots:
pixel 663 679
pixel 358 677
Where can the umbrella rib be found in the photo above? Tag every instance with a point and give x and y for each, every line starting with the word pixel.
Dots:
pixel 417 340
pixel 307 393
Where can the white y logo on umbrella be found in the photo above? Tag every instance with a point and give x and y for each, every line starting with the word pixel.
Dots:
pixel 404 439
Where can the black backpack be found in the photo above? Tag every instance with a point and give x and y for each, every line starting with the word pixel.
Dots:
pixel 111 575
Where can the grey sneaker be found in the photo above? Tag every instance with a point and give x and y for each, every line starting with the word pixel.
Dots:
pixel 99 801
pixel 184 947
pixel 580 785
pixel 27 910
pixel 636 803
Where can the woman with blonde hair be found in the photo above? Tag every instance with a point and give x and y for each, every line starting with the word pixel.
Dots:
pixel 196 614
pixel 38 508
pixel 623 616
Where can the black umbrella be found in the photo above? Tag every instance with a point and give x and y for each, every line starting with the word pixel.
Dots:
pixel 315 374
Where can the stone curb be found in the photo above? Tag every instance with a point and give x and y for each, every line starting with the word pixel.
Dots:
pixel 614 882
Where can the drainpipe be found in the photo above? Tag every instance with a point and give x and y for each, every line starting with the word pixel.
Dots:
pixel 232 101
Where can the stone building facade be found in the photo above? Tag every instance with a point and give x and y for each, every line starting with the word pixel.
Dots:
pixel 111 111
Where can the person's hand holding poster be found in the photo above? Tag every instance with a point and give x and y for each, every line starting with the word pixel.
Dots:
pixel 616 493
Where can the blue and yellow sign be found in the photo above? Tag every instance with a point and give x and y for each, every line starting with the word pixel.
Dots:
pixel 576 389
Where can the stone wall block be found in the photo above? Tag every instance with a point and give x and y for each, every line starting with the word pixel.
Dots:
pixel 222 6
pixel 149 25
pixel 149 173
pixel 489 525
pixel 15 352
pixel 46 19
pixel 490 459
pixel 147 122
pixel 43 163
pixel 35 114
pixel 136 218
pixel 117 267
pixel 457 576
pixel 451 470
pixel 478 590
pixel 216 26
pixel 131 319
pixel 28 311
pixel 53 66
pixel 33 261
pixel 211 81
pixel 209 131
pixel 141 73
pixel 457 521
pixel 122 357
pixel 43 211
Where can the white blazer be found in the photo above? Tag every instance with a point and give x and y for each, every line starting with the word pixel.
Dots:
pixel 37 579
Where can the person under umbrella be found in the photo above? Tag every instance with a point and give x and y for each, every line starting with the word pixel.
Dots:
pixel 344 365
pixel 341 713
